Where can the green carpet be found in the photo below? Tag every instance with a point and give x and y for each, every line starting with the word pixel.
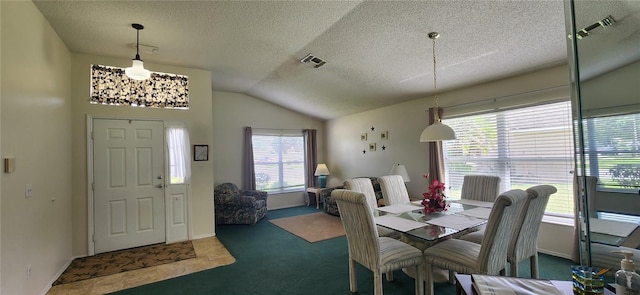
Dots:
pixel 270 260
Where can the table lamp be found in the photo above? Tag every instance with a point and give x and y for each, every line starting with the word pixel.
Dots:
pixel 322 171
pixel 402 171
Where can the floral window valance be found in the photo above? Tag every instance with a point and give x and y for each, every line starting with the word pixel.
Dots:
pixel 110 85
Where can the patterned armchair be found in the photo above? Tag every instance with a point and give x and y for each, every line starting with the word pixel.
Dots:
pixel 235 206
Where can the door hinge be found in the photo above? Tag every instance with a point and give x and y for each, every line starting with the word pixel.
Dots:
pixel 93 238
pixel 91 135
pixel 93 186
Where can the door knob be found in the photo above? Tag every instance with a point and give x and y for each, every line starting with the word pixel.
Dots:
pixel 159 186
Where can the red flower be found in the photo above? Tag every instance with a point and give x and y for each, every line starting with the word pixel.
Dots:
pixel 434 200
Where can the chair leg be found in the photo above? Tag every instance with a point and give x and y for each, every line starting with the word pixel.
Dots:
pixel 377 283
pixel 452 277
pixel 428 275
pixel 534 266
pixel 420 279
pixel 390 276
pixel 353 278
pixel 513 272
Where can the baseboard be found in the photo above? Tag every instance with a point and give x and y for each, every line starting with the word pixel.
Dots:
pixel 58 274
pixel 203 236
pixel 285 207
pixel 556 254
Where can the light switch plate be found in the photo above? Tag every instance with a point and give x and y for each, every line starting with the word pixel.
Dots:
pixel 28 191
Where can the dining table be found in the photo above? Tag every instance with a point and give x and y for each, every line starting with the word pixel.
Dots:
pixel 423 230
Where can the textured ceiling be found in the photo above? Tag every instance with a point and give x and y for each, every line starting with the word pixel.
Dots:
pixel 377 52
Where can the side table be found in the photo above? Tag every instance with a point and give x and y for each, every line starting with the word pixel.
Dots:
pixel 315 191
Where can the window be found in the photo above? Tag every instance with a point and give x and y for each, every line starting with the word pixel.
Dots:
pixel 279 162
pixel 525 147
pixel 612 148
pixel 110 86
pixel 178 146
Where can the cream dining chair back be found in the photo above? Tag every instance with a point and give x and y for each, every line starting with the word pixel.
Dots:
pixel 480 187
pixel 364 186
pixel 489 257
pixel 378 254
pixel 394 191
pixel 524 237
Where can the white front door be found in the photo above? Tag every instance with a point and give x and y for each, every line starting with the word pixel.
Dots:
pixel 128 180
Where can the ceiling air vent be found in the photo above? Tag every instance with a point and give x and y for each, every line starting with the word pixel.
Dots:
pixel 314 60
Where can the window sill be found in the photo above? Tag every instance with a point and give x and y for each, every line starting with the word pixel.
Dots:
pixel 558 220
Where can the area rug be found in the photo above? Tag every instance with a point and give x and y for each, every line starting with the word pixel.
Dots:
pixel 109 263
pixel 312 227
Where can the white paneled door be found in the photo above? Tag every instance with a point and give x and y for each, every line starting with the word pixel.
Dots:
pixel 128 170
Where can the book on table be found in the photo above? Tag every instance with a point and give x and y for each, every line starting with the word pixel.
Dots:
pixel 497 285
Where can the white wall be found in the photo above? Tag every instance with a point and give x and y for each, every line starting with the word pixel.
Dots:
pixel 405 122
pixel 198 119
pixel 36 122
pixel 231 113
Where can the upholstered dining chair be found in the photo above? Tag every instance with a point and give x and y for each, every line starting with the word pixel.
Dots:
pixel 378 254
pixel 393 190
pixel 364 186
pixel 480 187
pixel 524 237
pixel 489 257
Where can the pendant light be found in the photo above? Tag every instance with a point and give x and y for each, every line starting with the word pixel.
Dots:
pixel 436 131
pixel 137 70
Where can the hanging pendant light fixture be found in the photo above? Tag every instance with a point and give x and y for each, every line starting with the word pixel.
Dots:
pixel 436 131
pixel 137 70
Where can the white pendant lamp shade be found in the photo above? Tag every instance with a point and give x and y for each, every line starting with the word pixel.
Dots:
pixel 436 132
pixel 137 71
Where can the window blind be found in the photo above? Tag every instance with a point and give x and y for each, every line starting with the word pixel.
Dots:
pixel 526 146
pixel 279 162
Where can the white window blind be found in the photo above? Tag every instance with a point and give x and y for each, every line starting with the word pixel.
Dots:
pixel 525 147
pixel 612 146
pixel 279 162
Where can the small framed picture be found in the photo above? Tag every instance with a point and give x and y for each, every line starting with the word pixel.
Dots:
pixel 200 152
pixel 372 147
pixel 363 136
pixel 384 135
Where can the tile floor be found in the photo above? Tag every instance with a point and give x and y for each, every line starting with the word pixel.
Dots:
pixel 210 253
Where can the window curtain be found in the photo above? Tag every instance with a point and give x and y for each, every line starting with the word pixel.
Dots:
pixel 248 171
pixel 311 157
pixel 436 153
pixel 110 85
pixel 177 138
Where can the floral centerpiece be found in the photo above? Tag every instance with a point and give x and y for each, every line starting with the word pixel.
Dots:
pixel 434 200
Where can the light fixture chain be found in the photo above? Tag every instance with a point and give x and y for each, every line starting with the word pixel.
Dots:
pixel 435 77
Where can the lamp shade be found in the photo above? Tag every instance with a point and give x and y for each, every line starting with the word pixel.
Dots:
pixel 137 71
pixel 322 170
pixel 437 132
pixel 402 171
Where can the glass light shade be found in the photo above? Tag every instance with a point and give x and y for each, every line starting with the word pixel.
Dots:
pixel 402 171
pixel 322 170
pixel 137 71
pixel 437 132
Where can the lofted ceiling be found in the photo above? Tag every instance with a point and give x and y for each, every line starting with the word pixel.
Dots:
pixel 377 52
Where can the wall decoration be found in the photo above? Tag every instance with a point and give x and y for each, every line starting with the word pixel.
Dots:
pixel 200 152
pixel 373 128
pixel 372 147
pixel 384 135
pixel 384 148
pixel 363 136
pixel 364 152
